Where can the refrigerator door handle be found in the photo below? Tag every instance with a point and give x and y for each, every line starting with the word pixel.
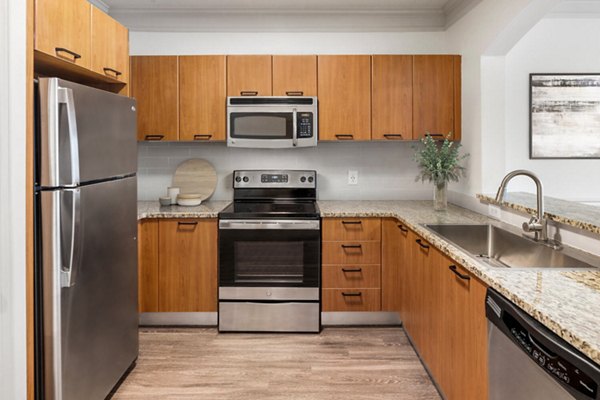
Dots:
pixel 71 257
pixel 65 96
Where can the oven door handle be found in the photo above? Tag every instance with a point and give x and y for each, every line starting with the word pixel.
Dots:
pixel 270 224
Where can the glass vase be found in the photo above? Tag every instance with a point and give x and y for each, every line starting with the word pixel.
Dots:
pixel 440 196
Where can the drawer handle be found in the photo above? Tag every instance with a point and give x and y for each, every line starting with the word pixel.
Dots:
pixel 202 137
pixel 420 243
pixel 114 71
pixel 344 137
pixel 63 50
pixel 351 294
pixel 295 93
pixel 402 228
pixel 193 223
pixel 461 276
pixel 154 137
pixel 393 136
pixel 436 135
pixel 351 269
pixel 248 93
pixel 351 246
pixel 351 222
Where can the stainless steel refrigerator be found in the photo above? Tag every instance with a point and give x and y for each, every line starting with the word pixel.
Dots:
pixel 85 235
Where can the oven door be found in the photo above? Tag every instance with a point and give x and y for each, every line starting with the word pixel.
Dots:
pixel 269 253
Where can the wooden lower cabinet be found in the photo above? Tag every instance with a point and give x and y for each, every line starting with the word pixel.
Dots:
pixel 177 265
pixel 395 259
pixel 443 312
pixel 351 299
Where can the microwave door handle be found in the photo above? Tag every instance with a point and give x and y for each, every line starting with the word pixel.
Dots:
pixel 295 128
pixel 65 96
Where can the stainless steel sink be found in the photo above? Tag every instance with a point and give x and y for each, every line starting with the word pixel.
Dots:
pixel 502 248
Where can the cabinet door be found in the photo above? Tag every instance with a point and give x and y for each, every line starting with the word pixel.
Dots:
pixel 188 265
pixel 392 92
pixel 294 75
pixel 436 96
pixel 148 265
pixel 62 29
pixel 202 98
pixel 154 85
pixel 464 373
pixel 110 46
pixel 393 259
pixel 344 87
pixel 249 76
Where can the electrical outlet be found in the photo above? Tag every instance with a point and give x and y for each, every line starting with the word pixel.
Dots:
pixel 352 177
pixel 494 211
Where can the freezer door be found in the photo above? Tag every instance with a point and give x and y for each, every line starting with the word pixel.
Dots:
pixel 85 134
pixel 89 288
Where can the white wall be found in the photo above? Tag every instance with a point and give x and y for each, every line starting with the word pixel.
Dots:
pixel 386 170
pixel 553 45
pixel 12 193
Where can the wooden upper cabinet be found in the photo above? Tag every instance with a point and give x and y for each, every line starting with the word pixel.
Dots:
pixel 294 75
pixel 436 96
pixel 62 29
pixel 392 90
pixel 249 76
pixel 110 46
pixel 154 84
pixel 344 87
pixel 188 265
pixel 202 97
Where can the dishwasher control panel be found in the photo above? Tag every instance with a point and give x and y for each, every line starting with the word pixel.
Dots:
pixel 567 367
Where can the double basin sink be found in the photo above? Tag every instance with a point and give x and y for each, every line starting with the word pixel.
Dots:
pixel 500 247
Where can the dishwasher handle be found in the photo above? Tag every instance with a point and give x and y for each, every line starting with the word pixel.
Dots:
pixel 565 364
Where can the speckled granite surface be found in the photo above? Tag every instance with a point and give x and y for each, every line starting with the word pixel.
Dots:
pixel 152 209
pixel 571 213
pixel 568 303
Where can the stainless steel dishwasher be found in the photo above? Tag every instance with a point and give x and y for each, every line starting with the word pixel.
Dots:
pixel 529 362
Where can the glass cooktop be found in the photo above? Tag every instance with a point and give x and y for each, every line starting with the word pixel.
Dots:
pixel 273 209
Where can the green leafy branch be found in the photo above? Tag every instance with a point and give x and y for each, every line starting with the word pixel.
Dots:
pixel 439 161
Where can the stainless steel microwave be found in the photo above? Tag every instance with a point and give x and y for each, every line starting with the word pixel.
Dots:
pixel 272 122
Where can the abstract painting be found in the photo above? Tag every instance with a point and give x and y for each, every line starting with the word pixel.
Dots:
pixel 565 116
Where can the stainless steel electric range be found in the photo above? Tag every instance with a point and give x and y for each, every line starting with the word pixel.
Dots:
pixel 270 254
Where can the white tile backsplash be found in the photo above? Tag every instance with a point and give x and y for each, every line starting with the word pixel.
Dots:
pixel 386 170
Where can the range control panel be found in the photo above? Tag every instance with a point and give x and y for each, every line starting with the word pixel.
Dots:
pixel 275 179
pixel 561 369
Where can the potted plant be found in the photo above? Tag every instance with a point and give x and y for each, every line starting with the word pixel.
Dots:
pixel 439 162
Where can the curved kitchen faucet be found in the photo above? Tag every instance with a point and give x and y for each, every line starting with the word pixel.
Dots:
pixel 537 224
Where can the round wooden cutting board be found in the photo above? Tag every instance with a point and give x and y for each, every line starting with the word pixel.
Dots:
pixel 195 176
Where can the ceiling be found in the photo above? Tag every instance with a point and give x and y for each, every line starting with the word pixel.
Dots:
pixel 286 15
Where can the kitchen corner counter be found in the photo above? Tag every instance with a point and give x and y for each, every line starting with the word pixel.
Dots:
pixel 152 209
pixel 567 303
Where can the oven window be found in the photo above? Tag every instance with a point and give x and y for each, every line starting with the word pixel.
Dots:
pixel 261 125
pixel 276 262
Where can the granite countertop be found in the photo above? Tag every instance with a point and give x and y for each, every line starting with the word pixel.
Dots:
pixel 568 303
pixel 579 215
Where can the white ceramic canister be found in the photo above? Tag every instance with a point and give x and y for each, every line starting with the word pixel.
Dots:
pixel 172 192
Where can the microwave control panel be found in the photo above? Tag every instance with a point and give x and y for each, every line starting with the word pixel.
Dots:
pixel 305 125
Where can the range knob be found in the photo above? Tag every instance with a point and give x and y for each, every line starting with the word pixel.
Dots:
pixel 310 179
pixel 303 179
pixel 238 179
pixel 246 179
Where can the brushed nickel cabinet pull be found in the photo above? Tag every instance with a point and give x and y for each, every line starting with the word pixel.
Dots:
pixel 70 52
pixel 344 137
pixel 154 137
pixel 248 93
pixel 295 93
pixel 202 137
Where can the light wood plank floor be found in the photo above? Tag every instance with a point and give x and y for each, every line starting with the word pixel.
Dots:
pixel 340 363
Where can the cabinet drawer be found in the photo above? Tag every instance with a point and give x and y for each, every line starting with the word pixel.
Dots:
pixel 351 252
pixel 351 299
pixel 351 229
pixel 351 276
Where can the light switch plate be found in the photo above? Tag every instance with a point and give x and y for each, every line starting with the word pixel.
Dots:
pixel 352 177
pixel 494 211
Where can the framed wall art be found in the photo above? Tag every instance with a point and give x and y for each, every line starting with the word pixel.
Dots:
pixel 564 117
